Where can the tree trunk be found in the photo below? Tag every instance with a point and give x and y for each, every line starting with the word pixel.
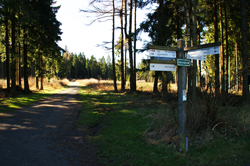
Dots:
pixel 244 28
pixel 122 51
pixel 200 75
pixel 7 53
pixel 216 37
pixel 19 63
pixel 222 52
pixel 25 67
pixel 3 70
pixel 41 71
pixel 125 63
pixel 33 69
pixel 236 66
pixel 178 22
pixel 187 22
pixel 41 82
pixel 186 4
pixel 156 82
pixel 113 46
pixel 13 53
pixel 36 71
pixel 194 43
pixel 162 41
pixel 135 34
pixel 227 51
pixel 164 91
pixel 126 38
pixel 19 71
pixel 132 88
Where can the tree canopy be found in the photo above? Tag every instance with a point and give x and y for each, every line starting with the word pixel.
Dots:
pixel 30 32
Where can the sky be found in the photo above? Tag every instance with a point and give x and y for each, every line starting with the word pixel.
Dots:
pixel 78 36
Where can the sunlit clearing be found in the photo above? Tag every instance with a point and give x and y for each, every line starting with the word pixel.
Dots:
pixel 127 111
pixel 100 113
pixel 48 105
pixel 6 115
pixel 14 106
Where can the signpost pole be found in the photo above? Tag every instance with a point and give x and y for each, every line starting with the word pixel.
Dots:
pixel 164 62
pixel 182 98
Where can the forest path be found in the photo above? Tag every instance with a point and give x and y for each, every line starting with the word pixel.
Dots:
pixel 44 134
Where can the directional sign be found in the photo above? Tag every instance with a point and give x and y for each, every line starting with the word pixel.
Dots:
pixel 162 61
pixel 183 62
pixel 197 57
pixel 200 54
pixel 162 53
pixel 162 67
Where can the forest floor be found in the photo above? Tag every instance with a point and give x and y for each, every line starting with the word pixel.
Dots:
pixel 44 133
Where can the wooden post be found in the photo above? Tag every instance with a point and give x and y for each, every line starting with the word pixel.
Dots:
pixel 182 97
pixel 197 53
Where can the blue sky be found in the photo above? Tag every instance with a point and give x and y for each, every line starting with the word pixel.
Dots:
pixel 78 37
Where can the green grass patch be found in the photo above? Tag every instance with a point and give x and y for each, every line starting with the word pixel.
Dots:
pixel 117 123
pixel 8 104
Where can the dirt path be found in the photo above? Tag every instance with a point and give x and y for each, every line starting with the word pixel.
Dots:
pixel 44 134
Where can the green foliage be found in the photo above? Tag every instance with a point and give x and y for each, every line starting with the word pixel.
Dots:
pixel 171 25
pixel 79 66
pixel 33 32
pixel 144 72
pixel 12 103
pixel 116 124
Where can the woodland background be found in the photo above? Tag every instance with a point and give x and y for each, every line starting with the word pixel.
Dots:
pixel 30 31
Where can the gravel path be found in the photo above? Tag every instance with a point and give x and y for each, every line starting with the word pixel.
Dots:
pixel 44 134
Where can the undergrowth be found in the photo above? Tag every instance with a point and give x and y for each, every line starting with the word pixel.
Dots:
pixel 140 129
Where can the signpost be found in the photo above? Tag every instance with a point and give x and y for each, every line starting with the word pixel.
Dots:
pixel 162 53
pixel 195 56
pixel 162 67
pixel 197 53
pixel 200 54
pixel 183 62
pixel 182 98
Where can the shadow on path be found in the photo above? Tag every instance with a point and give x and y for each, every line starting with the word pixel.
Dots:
pixel 44 134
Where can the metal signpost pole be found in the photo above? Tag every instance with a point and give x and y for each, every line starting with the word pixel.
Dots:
pixel 182 98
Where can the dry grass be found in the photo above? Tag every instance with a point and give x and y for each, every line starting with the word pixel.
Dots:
pixel 52 84
pixel 144 86
pixel 3 83
pixel 108 85
pixel 163 127
pixel 104 85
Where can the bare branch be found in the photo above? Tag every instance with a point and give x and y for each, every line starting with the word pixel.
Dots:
pixel 99 19
pixel 104 45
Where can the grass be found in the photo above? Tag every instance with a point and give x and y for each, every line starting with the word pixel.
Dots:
pixel 134 129
pixel 22 100
pixel 119 123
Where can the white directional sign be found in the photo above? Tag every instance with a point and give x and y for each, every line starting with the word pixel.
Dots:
pixel 200 54
pixel 162 53
pixel 162 67
pixel 196 57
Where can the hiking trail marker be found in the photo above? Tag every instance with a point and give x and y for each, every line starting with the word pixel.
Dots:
pixel 163 58
pixel 183 62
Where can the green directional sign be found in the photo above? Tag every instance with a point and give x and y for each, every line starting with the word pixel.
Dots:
pixel 183 62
